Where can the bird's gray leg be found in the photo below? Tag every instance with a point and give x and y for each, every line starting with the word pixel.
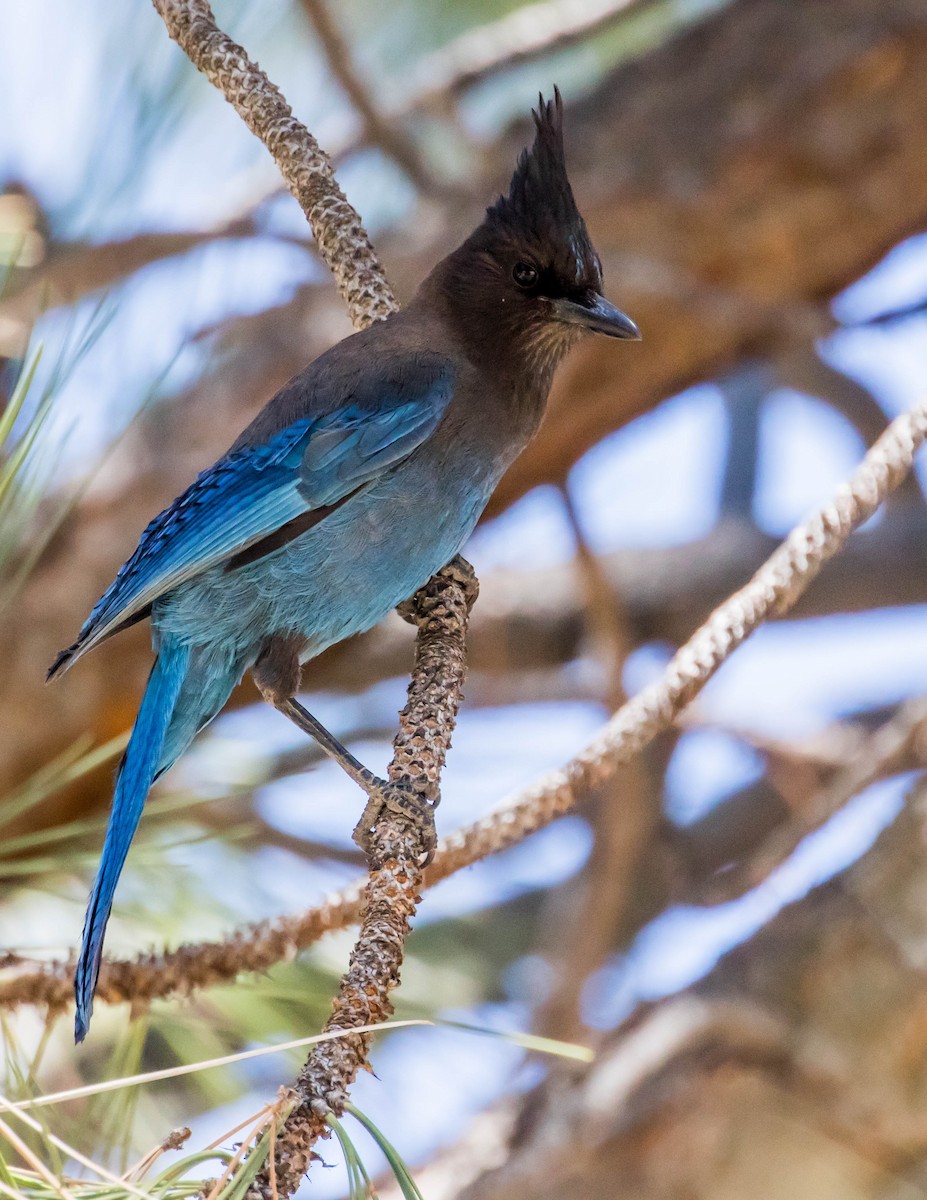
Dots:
pixel 304 719
pixel 277 674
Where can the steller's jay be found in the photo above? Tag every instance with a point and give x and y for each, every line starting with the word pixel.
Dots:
pixel 359 480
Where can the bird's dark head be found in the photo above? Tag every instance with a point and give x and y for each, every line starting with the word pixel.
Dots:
pixel 530 272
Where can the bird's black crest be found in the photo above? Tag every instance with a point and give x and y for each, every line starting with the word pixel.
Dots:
pixel 540 204
pixel 540 184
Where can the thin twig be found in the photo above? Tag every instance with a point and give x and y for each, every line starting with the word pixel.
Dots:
pixel 518 37
pixel 584 925
pixel 604 610
pixel 897 745
pixel 798 365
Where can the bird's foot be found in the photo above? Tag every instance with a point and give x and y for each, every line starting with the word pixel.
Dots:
pixel 402 800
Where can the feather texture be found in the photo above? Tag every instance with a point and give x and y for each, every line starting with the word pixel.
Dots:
pixel 136 773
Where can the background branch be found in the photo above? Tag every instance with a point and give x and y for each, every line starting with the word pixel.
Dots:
pixel 378 130
pixel 582 924
pixel 516 38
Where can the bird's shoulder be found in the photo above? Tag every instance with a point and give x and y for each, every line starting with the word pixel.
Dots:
pixel 387 365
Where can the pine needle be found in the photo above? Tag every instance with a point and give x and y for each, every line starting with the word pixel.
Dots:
pixel 111 1085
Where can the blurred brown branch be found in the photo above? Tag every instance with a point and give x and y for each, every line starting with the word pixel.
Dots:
pixel 898 745
pixel 583 924
pixel 76 269
pixel 798 364
pixel 520 36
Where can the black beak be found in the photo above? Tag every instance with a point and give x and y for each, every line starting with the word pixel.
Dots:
pixel 595 313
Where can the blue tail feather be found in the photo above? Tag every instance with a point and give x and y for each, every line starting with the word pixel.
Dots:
pixel 143 758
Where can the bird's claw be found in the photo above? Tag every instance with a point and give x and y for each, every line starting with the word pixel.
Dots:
pixel 405 801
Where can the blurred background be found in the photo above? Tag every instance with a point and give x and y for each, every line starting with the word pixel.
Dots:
pixel 738 925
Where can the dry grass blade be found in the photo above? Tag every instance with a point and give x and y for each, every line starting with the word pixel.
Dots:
pixel 36 1163
pixel 124 1185
pixel 112 1085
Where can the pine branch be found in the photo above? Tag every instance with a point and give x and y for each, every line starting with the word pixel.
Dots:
pixel 440 610
pixel 772 591
pixel 339 233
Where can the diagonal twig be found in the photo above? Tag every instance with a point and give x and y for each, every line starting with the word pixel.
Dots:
pixel 896 745
pixel 518 37
pixel 339 233
pixel 775 587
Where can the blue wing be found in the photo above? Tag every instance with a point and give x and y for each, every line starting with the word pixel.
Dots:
pixel 254 490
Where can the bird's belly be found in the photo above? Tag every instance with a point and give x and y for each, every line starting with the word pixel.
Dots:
pixel 340 577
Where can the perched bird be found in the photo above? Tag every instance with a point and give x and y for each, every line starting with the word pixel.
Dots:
pixel 358 481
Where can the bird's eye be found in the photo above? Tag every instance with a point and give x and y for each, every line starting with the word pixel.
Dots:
pixel 525 275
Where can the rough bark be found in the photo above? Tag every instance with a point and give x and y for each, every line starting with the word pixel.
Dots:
pixel 728 206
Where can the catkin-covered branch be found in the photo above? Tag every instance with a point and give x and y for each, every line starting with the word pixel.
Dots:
pixel 339 233
pixel 772 591
pixel 440 610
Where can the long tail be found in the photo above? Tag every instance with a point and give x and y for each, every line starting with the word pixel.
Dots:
pixel 142 761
